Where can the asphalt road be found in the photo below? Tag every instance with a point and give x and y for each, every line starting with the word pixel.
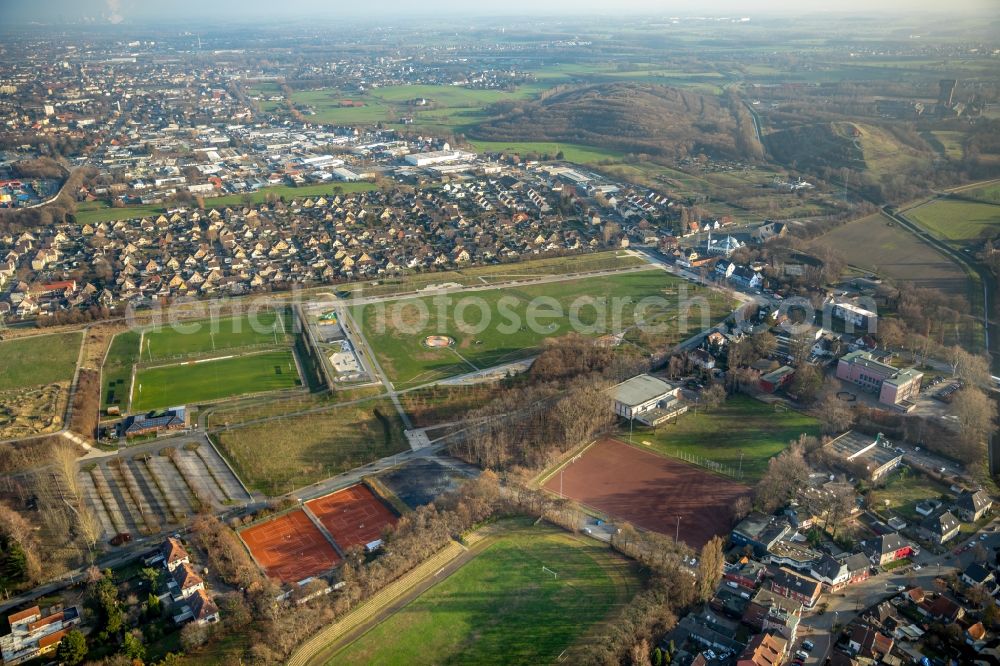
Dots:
pixel 845 605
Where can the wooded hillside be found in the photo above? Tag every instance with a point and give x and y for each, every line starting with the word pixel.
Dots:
pixel 630 117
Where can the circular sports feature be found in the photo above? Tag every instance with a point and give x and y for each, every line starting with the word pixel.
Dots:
pixel 437 341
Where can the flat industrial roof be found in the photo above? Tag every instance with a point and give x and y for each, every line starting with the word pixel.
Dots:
pixel 640 389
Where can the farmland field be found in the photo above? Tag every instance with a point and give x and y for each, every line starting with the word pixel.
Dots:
pixel 741 425
pixel 211 337
pixel 509 323
pixel 188 383
pixel 39 359
pixel 283 454
pixel 892 251
pixel 957 221
pixel 503 607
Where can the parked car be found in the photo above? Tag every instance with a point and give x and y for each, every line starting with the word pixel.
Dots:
pixel 808 646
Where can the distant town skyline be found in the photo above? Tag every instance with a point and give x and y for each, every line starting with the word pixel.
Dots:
pixel 122 11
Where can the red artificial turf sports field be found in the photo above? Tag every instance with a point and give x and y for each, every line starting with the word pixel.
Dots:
pixel 290 548
pixel 650 491
pixel 354 516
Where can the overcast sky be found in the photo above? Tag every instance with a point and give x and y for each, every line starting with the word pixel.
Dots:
pixel 114 11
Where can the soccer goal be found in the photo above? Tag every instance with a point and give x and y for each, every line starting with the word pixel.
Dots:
pixel 552 573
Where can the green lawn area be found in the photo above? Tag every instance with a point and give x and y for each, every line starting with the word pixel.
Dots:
pixel 193 382
pixel 988 193
pixel 740 425
pixel 509 323
pixel 39 359
pixel 904 490
pixel 281 455
pixel 501 607
pixel 957 220
pixel 206 336
pixel 117 369
pixel 94 212
pixel 571 152
pixel 475 275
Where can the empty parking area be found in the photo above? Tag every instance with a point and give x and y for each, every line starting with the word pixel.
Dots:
pixel 290 548
pixel 157 488
pixel 353 516
pixel 650 491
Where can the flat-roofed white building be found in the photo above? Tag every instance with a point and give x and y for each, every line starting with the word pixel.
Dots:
pixel 647 399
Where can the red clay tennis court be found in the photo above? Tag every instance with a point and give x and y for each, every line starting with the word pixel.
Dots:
pixel 650 491
pixel 353 516
pixel 290 548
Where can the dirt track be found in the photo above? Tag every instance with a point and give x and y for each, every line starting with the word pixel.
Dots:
pixel 650 491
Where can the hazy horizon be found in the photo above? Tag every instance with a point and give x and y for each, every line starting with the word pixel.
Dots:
pixel 135 11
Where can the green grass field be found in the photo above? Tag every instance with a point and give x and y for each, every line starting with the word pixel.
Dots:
pixel 504 333
pixel 571 152
pixel 280 455
pixel 904 490
pixel 95 212
pixel 741 424
pixel 117 370
pixel 39 359
pixel 497 273
pixel 501 607
pixel 189 383
pixel 957 221
pixel 208 337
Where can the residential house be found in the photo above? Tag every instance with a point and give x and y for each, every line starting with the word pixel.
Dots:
pixel 203 608
pixel 867 643
pixel 174 554
pixel 837 573
pixel 32 635
pixel 763 650
pixel 973 505
pixel 977 574
pixel 800 588
pixel 771 612
pixel 886 548
pixel 940 527
pixel 185 582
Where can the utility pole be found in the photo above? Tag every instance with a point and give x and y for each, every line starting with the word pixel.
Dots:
pixel 677 533
pixel 741 464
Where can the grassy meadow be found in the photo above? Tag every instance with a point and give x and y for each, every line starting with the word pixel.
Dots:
pixel 278 456
pixel 503 607
pixel 496 321
pixel 741 425
pixel 39 359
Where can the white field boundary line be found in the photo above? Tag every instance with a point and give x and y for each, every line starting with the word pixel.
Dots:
pixel 216 358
